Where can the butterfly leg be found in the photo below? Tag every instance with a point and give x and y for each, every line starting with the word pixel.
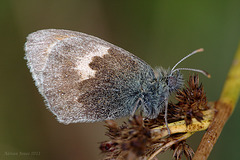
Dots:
pixel 136 106
pixel 165 116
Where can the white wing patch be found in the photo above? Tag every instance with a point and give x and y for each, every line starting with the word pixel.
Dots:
pixel 83 64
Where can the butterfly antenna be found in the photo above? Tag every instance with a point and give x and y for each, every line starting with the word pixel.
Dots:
pixel 190 69
pixel 195 70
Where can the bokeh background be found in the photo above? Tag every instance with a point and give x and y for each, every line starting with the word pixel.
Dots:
pixel 160 32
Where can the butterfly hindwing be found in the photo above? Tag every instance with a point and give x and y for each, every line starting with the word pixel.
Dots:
pixel 84 78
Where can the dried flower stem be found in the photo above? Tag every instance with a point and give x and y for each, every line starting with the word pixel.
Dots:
pixel 181 127
pixel 224 106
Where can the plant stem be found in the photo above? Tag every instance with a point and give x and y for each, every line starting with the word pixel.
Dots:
pixel 224 108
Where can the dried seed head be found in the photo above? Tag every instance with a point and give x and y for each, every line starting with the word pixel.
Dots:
pixel 126 140
pixel 191 101
pixel 182 148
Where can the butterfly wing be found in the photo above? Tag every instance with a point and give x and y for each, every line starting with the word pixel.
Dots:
pixel 83 78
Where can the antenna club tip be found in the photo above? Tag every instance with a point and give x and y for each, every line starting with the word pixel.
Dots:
pixel 207 74
pixel 200 50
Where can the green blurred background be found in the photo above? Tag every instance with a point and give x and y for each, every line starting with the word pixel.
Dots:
pixel 160 32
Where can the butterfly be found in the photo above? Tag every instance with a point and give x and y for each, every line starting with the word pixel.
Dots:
pixel 86 79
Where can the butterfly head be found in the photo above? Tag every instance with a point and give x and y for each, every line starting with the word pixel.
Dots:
pixel 169 81
pixel 172 79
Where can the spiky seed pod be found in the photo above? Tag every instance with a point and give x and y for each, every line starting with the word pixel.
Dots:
pixel 191 101
pixel 182 148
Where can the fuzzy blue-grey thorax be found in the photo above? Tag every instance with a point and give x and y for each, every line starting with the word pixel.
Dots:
pixel 158 92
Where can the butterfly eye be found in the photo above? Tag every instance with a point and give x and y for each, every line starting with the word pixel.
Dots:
pixel 171 81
